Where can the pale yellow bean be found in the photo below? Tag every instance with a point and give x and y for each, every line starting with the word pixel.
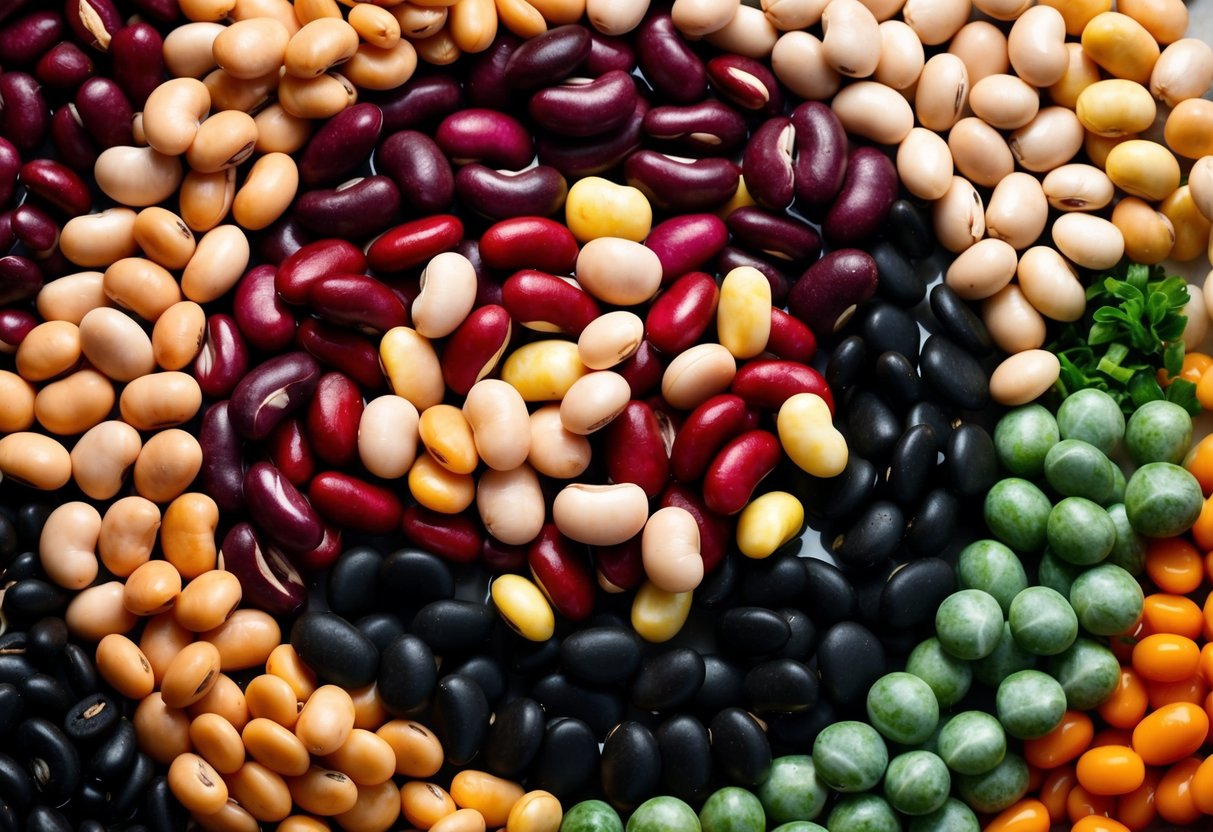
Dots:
pixel 1012 321
pixel 71 297
pixel 798 61
pixel 1051 285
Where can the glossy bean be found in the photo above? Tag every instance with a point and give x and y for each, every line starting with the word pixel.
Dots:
pixel 128 534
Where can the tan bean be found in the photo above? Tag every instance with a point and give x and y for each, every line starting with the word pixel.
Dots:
pixel 98 611
pixel 190 674
pixel 167 465
pixel 281 10
pixel 279 132
pixel 1097 148
pixel 1024 377
pixel 1036 46
pixel 173 112
pixel 749 33
pixel 318 46
pixel 418 752
pixel 206 9
pixel 142 286
pixel 218 263
pixel 223 141
pixel 1078 13
pixel 152 588
pixel 1078 187
pixel 261 791
pixel 231 818
pixel 983 48
pixel 163 732
pixel 101 459
pixel 1115 107
pixel 250 48
pixel 697 18
pixel 793 15
pixel 959 217
pixel 377 807
pixel 375 25
pixel 1121 45
pixel 326 720
pixel 323 792
pixel 308 10
pixel 285 662
pixel 206 198
pixel 1191 226
pixel 188 49
pixel 411 366
pixel 618 271
pixel 1165 20
pixel 610 339
pixel 178 334
pixel 798 61
pixel 116 344
pixel 217 742
pixel 164 237
pixel 187 537
pixel 1184 70
pixel 162 639
pixel 425 804
pixel 196 784
pixel 1143 168
pixel 901 55
pixel 473 24
pixel 936 20
pixel 493 797
pixel 270 697
pixel 463 820
pixel 369 710
pixel 1004 101
pixel 71 297
pixel 438 49
pixel 594 401
pixel 207 601
pixel 670 550
pixel 68 544
pixel 48 351
pixel 303 823
pixel 128 534
pixel 1189 128
pixel 1017 210
pixel 924 164
pixel 124 667
pixel 419 21
pixel 1051 285
pixel 511 504
pixel 555 452
pixel 1002 9
pixel 942 92
pixel 600 515
pixel 74 404
pixel 1091 242
pixel 16 403
pixel 373 68
pixel 874 111
pixel 245 640
pixel 697 374
pixel 160 400
pixel 1200 181
pixel 231 93
pixel 1012 321
pixel 1197 326
pixel 364 757
pixel 498 416
pixel 34 460
pixel 96 240
pixel 851 38
pixel 1048 141
pixel 225 699
pixel 1081 72
pixel 982 269
pixel 266 193
pixel 521 18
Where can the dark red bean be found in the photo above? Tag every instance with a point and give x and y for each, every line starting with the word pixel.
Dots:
pixel 559 567
pixel 500 558
pixel 341 146
pixel 705 431
pixel 224 358
pixel 279 509
pixel 57 185
pixel 161 11
pixel 500 194
pixel 413 243
pixel 767 163
pixel 355 210
pixel 25 40
pixel 332 420
pixel 578 159
pixel 7 237
pixel 790 339
pixel 263 318
pixel 20 279
pixel 65 66
pixel 642 370
pixel 475 347
pixel 324 555
pixel 821 153
pixel 94 22
pixel 271 392
pixel 268 580
pixel 827 294
pixel 737 470
pixel 486 84
pixel 418 167
pixel 291 453
pixel 424 99
pixel 355 504
pixel 342 350
pixel 768 383
pixel 538 300
pixel 358 301
pixel 682 313
pixel 582 109
pixel 732 257
pixel 715 532
pixel 481 135
pixel 10 168
pixel 709 128
pixel 15 324
pixel 25 117
pixel 138 61
pixel 529 243
pixel 71 140
pixel 675 71
pixel 548 58
pixel 635 449
pixel 607 53
pixel 746 82
pixel 222 459
pixel 679 185
pixel 281 240
pixel 774 235
pixel 105 112
pixel 863 204
pixel 455 537
pixel 297 274
pixel 620 567
pixel 35 228
pixel 685 243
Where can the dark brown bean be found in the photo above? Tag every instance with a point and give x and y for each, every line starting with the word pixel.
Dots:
pixel 485 84
pixel 341 145
pixel 746 82
pixel 105 112
pixel 419 168
pixel 767 163
pixel 675 71
pixel 499 194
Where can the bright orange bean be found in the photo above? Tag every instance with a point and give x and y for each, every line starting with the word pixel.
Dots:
pixel 1095 823
pixel 1164 657
pixel 1136 809
pixel 1204 389
pixel 1163 613
pixel 1080 803
pixel 1209 706
pixel 1199 462
pixel 1025 816
pixel 1127 704
pixel 1112 736
pixel 1170 733
pixel 1174 798
pixel 1194 689
pixel 1205 539
pixel 1202 786
pixel 1207 614
pixel 1110 770
pixel 1194 366
pixel 1174 565
pixel 1206 663
pixel 1063 744
pixel 1056 789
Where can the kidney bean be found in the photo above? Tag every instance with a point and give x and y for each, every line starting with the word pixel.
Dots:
pixel 35 228
pixel 620 567
pixel 25 40
pixel 455 537
pixel 413 243
pixel 863 204
pixel 607 53
pixel 298 272
pixel 332 419
pixel 281 511
pixel 583 109
pixel 10 168
pixel 541 301
pixel 737 469
pixel 636 449
pixel 15 324
pixel 498 195
pixel 767 163
pixel 259 312
pixel 827 293
pixel 558 566
pixel 767 384
pixel 790 339
pixel 94 22
pixel 72 144
pixel 343 350
pixel 224 358
pixel 746 83
pixel 421 101
pixel 821 153
pixel 685 243
pixel 25 118
pixel 20 278
pixel 355 504
pixel 475 347
pixel 548 58
pixel 137 51
pixel 643 370
pixel 269 393
pixel 358 301
pixel 355 210
pixel 418 167
pixel 578 159
pixel 480 135
pixel 682 313
pixel 709 128
pixel 57 185
pixel 64 66
pixel 291 453
pixel 341 145
pixel 222 460
pixel 708 427
pixel 668 62
pixel 529 243
pixel 682 186
pixel 485 84
pixel 774 235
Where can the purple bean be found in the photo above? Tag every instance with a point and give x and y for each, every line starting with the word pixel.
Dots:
pixel 15 324
pixel 7 237
pixel 767 163
pixel 105 112
pixel 71 140
pixel 548 58
pixel 279 509
pixel 488 290
pixel 35 228
pixel 341 145
pixel 583 108
pixel 24 41
pixel 9 9
pixel 746 82
pixel 485 83
pixel 827 293
pixel 500 194
pixel 731 257
pixel 679 185
pixel 683 244
pixel 281 240
pixel 268 579
pixel 20 279
pixel 480 135
pixel 821 153
pixel 222 458
pixel 419 102
pixel 863 204
pixel 355 210
pixel 25 117
pixel 358 301
pixel 138 53
pixel 271 392
pixel 94 22
pixel 263 317
pixel 10 166
pixel 677 74
pixel 343 350
pixel 224 358
pixel 607 53
pixel 65 67
pixel 709 128
pixel 420 169
pixel 590 158
pixel 161 11
pixel 57 185
pixel 775 235
pixel 55 265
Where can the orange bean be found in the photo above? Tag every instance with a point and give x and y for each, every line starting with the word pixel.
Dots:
pixel 1163 613
pixel 1025 816
pixel 1164 657
pixel 1056 789
pixel 1063 744
pixel 1112 736
pixel 1174 798
pixel 491 796
pixel 1095 823
pixel 1127 704
pixel 1199 463
pixel 1207 615
pixel 424 804
pixel 1192 690
pixel 1136 809
pixel 1080 803
pixel 1174 565
pixel 1110 770
pixel 1206 658
pixel 1202 786
pixel 1170 733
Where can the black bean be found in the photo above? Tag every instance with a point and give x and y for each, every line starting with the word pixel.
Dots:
pixel 780 686
pixel 719 586
pixel 910 230
pixel 668 680
pixel 514 738
pixel 413 576
pixel 450 626
pixel 631 766
pixel 739 747
pixel 407 675
pixel 795 732
pixel 568 758
pixel 126 798
pixel 915 591
pixel 76 670
pixel 16 784
pixel 959 321
pixel 92 799
pixel 752 631
pixel 46 694
pixel 91 825
pixel 353 582
pixel 912 464
pixel 954 374
pixel 872 537
pixel 560 696
pixel 31 517
pixel 523 655
pixel 31 599
pixel 723 685
pixel 900 282
pixel 803 641
pixel 10 546
pixel 828 593
pixel 872 427
pixel 26 565
pixel 773 581
pixel 898 381
pixel 847 364
pixel 843 495
pixel 334 649
pixel 12 707
pixel 931 413
pixel 9 822
pixel 460 718
pixel 46 819
pixel 972 462
pixel 850 658
pixel 92 718
pixel 601 655
pixel 889 328
pixel 50 758
pixel 112 759
pixel 161 809
pixel 930 528
pixel 686 758
pixel 868 587
pixel 484 671
pixel 381 628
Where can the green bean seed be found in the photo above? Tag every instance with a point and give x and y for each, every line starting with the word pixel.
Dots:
pixel 1006 658
pixel 663 814
pixel 991 567
pixel 850 756
pixel 998 788
pixel 1017 512
pixel 1162 500
pixel 1023 437
pixel 1107 600
pixel 863 813
pixel 917 783
pixel 972 742
pixel 1094 417
pixel 792 791
pixel 969 623
pixel 1159 431
pixel 1088 673
pixel 1078 469
pixel 1030 704
pixel 903 708
pixel 1042 621
pixel 946 675
pixel 953 816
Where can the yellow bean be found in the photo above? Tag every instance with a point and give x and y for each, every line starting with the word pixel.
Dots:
pixel 473 24
pixel 1165 20
pixel 437 488
pixel 1116 107
pixel 543 370
pixel 521 18
pixel 743 316
pixel 1149 234
pixel 1081 72
pixel 808 436
pixel 412 367
pixel 1143 168
pixel 523 607
pixel 535 811
pixel 1120 45
pixel 657 615
pixel 447 436
pixel 767 523
pixel 596 207
pixel 1191 226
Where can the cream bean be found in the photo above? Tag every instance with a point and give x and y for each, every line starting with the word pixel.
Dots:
pixel 172 114
pixel 1184 70
pixel 116 345
pixel 600 515
pixel 96 240
pixel 219 262
pixel 98 611
pixel 511 504
pixel 49 350
pixel 611 17
pixel 873 111
pixel 610 339
pixel 102 457
pixel 982 269
pixel 279 132
pixel 229 93
pixel 793 15
pixel 74 404
pixel 279 10
pixel 1143 168
pixel 942 92
pixel 798 61
pixel 1091 242
pixel 936 20
pixel 1012 321
pixel 594 401
pixel 617 271
pixel 167 465
pixel 1048 141
pixel 223 141
pixel 1003 9
pixel 1197 326
pixel 1200 182
pixel 448 293
pixel 137 176
pixel 1078 187
pixel 178 334
pixel 164 237
pixel 318 46
pixel 1024 377
pixel 983 48
pixel 743 313
pixel 1036 46
pixel 16 403
pixel 160 400
pixel 373 68
pixel 34 460
pixel 697 374
pixel 959 217
pixel 669 548
pixel 71 297
pixel 1051 285
pixel 251 48
pixel 128 534
pixel 411 366
pixel 1004 101
pixel 267 192
pixel 141 286
pixel 696 18
pixel 189 49
pixel 68 544
pixel 555 452
pixel 1081 72
pixel 1017 210
pixel 1208 293
pixel 901 55
pixel 387 436
pixel 924 164
pixel 500 424
pixel 851 38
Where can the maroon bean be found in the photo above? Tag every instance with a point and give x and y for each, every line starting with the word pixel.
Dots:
pixel 224 358
pixel 138 55
pixel 422 100
pixel 642 370
pixel 776 235
pixel 620 567
pixel 57 185
pixel 10 168
pixel 332 420
pixel 821 153
pixel 105 112
pixel 11 8
pixel 559 568
pixel 222 460
pixel 271 392
pixel 790 339
pixel 355 210
pixel 488 290
pixel 682 185
pixel 480 135
pixel 35 228
pixel 358 301
pixel 767 163
pixel 54 264
pixel 863 204
pixel 582 108
pixel 322 556
pixel 715 532
pixel 500 558
pixel 279 509
pixel 342 350
pixel 501 194
pixel 20 279
pixel 355 504
pixel 7 237
pixel 746 82
pixel 455 537
pixel 413 243
pixel 263 318
pixel 485 83
pixel 71 140
pixel 731 257
pixel 94 22
pixel 290 451
pixel 548 58
pixel 322 258
pixel 475 347
pixel 685 243
pixel 268 580
pixel 538 300
pixel 281 240
pixel 15 324
pixel 705 431
pixel 25 40
pixel 768 383
pixel 65 66
pixel 341 146
pixel 682 313
pixel 709 128
pixel 161 11
pixel 607 53
pixel 635 449
pixel 738 468
pixel 418 167
pixel 529 242
pixel 25 117
pixel 666 59
pixel 592 157
pixel 827 293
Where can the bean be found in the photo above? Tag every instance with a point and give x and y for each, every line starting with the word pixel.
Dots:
pixel 873 111
pixel 24 121
pixel 798 60
pixel 1120 45
pixel 207 601
pixel 1017 211
pixel 1183 71
pixel 1087 240
pixel 141 286
pixel 152 588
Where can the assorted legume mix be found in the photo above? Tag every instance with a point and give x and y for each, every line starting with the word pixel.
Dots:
pixel 412 415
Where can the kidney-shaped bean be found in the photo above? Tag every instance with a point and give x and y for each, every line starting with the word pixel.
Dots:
pixel 104 111
pixel 480 135
pixel 420 170
pixel 501 194
pixel 355 210
pixel 867 194
pixel 667 60
pixel 558 565
pixel 821 152
pixel 582 108
pixel 414 243
pixel 273 390
pixel 222 458
pixel 746 82
pixel 358 301
pixel 224 358
pixel 635 449
pixel 347 351
pixel 263 318
pixel 25 40
pixel 476 346
pixel 682 313
pixel 419 102
pixel 709 128
pixel 684 244
pixel 549 57
pixel 267 579
pixel 767 384
pixel 341 145
pixel 706 429
pixel 529 243
pixel 300 270
pixel 25 119
pixel 827 294
pixel 578 159
pixel 767 163
pixel 137 51
pixel 682 185
pixel 55 183
pixel 738 468
pixel 333 415
pixel 354 503
pixel 774 235
pixel 279 509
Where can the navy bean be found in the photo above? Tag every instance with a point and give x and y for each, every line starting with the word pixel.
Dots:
pixel 422 101
pixel 268 580
pixel 898 381
pixel 412 576
pixel 450 626
pixel 828 594
pixel 971 460
pixel 341 146
pixel 92 718
pixel 281 511
pixel 677 74
pixel 353 582
pixel 872 427
pixel 112 759
pixel 668 681
pixel 686 758
pixel 850 658
pixel 485 83
pixel 407 676
pixel 680 185
pixel 578 159
pixel 959 321
pixel 912 464
pixel 601 655
pixel 767 163
pixel 931 526
pixel 872 537
pixel 138 61
pixel 499 194
pixel 740 747
pixel 568 758
pixel 912 593
pixel 775 235
pixel 954 374
pixel 548 58
pixel 25 40
pixel 596 707
pixel 607 53
pixel 105 112
pixel 65 66
pixel 910 230
pixel 780 686
pixel 271 392
pixel 485 671
pixel 25 117
pixel 821 153
pixel 776 580
pixel 751 631
pixel 460 718
pixel 514 738
pixel 355 210
pixel 709 128
pixel 222 458
pixel 334 649
pixel 827 293
pixel 631 766
pixel 50 758
pixel 582 109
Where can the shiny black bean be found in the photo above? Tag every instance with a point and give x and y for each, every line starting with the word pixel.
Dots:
pixel 31 517
pixel 45 640
pixel 912 464
pixel 450 626
pixel 601 655
pixel 420 170
pixel 514 738
pixel 913 593
pixel 792 733
pixel 567 761
pixel 668 680
pixel 872 427
pixel 720 585
pixel 499 195
pixel 334 649
pixel 524 656
pixel 931 413
pixel 709 128
pixel 886 328
pixel 559 696
pixel 92 799
pixel 848 364
pixel 411 576
pixel 872 537
pixel 774 581
pixel 828 593
pixel 954 374
pixel 686 758
pixel 112 759
pixel 91 825
pixel 46 819
pixel 775 235
pixel 460 717
pixel 548 58
pixel 898 381
pixel 484 671
pixel 92 718
pixel 740 747
pixel 959 321
pixel 910 230
pixel 407 675
pixel 424 100
pixel 900 282
pixel 780 686
pixel 731 257
pixel 340 146
pixel 382 628
pixel 971 461
pixel 723 685
pixel 353 582
pixel 15 668
pixel 751 631
pixel 850 658
pixel 16 784
pixel 9 822
pixel 677 74
pixel 869 584
pixel 930 528
pixel 12 706
pixel 50 758
pixel 161 809
pixel 803 640
pixel 45 694
pixel 10 547
pixel 631 766
pixel 125 799
pixel 840 496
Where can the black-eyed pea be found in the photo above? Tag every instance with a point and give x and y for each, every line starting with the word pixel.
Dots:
pixel 49 350
pixel 326 720
pixel 178 334
pixel 535 811
pixel 68 543
pixel 163 732
pixel 74 404
pixel 190 675
pixel 205 198
pixel 35 460
pixel 98 611
pixel 275 747
pixel 96 240
pixel 425 804
pixel 142 286
pixel 983 48
pixel 245 639
pixel 226 699
pixel 365 757
pixel 278 132
pixel 196 784
pixel 1081 72
pixel 267 191
pixel 152 588
pixel 124 667
pixel 217 742
pixel 418 752
pixel 71 297
pixel 369 710
pixel 207 601
pixel 162 639
pixel 285 663
pixel 260 790
pixel 168 463
pixel 1148 233
pixel 376 809
pixel 231 818
pixel 323 792
pixel 128 534
pixel 164 237
pixel 270 697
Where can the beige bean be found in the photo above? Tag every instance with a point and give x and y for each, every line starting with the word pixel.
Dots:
pixel 611 17
pixel 16 403
pixel 71 297
pixel 49 350
pixel 1002 9
pixel 373 68
pixel 1048 141
pixel 901 55
pixel 697 374
pixel 97 612
pixel 1036 46
pixel 164 237
pixel 124 667
pixel 1013 322
pixel 1017 211
pixel 1024 377
pixel 600 515
pixel 168 463
pixel 319 97
pixel 223 141
pixel 279 132
pixel 983 48
pixel 245 640
pixel 936 20
pixel 178 334
pixel 610 339
pixel 387 436
pixel 979 152
pixel 874 111
pixel 308 10
pixel 697 18
pixel 1191 227
pixel 884 9
pixel 187 537
pixel 250 48
pixel 369 710
pixel 793 15
pixel 412 367
pixel 448 293
pixel 173 112
pixel 231 93
pixel 473 24
pixel 74 404
pixel 959 217
pixel 281 10
pixel 128 534
pixel 197 785
pixel 1115 107
pixel 285 662
pixel 1051 285
pixel 116 345
pixel 851 38
pixel 749 33
pixel 188 49
pixel 318 46
pixel 1184 70
pixel 205 198
pixel 1207 291
pixel 670 550
pixel 163 732
pixel 102 457
pixel 267 192
pixel 1078 13
pixel 96 240
pixel 1200 182
pixel 160 400
pixel 375 25
pixel 555 452
pixel 217 742
pixel 942 92
pixel 438 49
pixel 1004 101
pixel 594 401
pixel 68 544
pixel 225 699
pixel 261 791
pixel 35 460
pixel 617 271
pixel 1081 72
pixel 206 9
pixel 1091 242
pixel 418 751
pixel 461 820
pixel 500 424
pixel 221 258
pixel 1143 168
pixel 419 22
pixel 1078 187
pixel 982 269
pixel 511 504
pixel 141 286
pixel 798 61
pixel 152 588
pixel 1197 326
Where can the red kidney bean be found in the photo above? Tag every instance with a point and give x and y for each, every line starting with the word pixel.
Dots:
pixel 475 347
pixel 224 358
pixel 582 108
pixel 590 158
pixel 709 128
pixel 485 83
pixel 279 509
pixel 635 449
pixel 620 567
pixel 423 100
pixel 715 532
pixel 324 555
pixel 20 279
pixel 24 41
pixel 642 370
pixel 863 204
pixel 358 301
pixel 488 290
pixel 10 168
pixel 418 167
pixel 827 293
pixel 354 210
pixel 529 243
pixel 667 60
pixel 222 458
pixel 281 240
pixel 105 112
pixel 705 431
pixel 7 237
pixel 299 271
pixel 607 53
pixel 271 392
pixel 768 383
pixel 767 163
pixel 790 339
pixel 268 580
pixel 683 244
pixel 481 135
pixel 291 453
pixel 413 243
pixel 65 66
pixel 682 313
pixel 679 185
pixel 737 470
pixel 536 299
pixel 72 143
pixel 558 566
pixel 35 228
pixel 9 9
pixel 54 264
pixel 161 11
pixel 500 194
pixel 549 57
pixel 138 61
pixel 821 153
pixel 263 318
pixel 731 257
pixel 341 145
pixel 774 235
pixel 455 537
pixel 94 22
pixel 25 117
pixel 57 185
pixel 355 504
pixel 746 82
pixel 500 558
pixel 343 350
pixel 332 420
pixel 15 324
